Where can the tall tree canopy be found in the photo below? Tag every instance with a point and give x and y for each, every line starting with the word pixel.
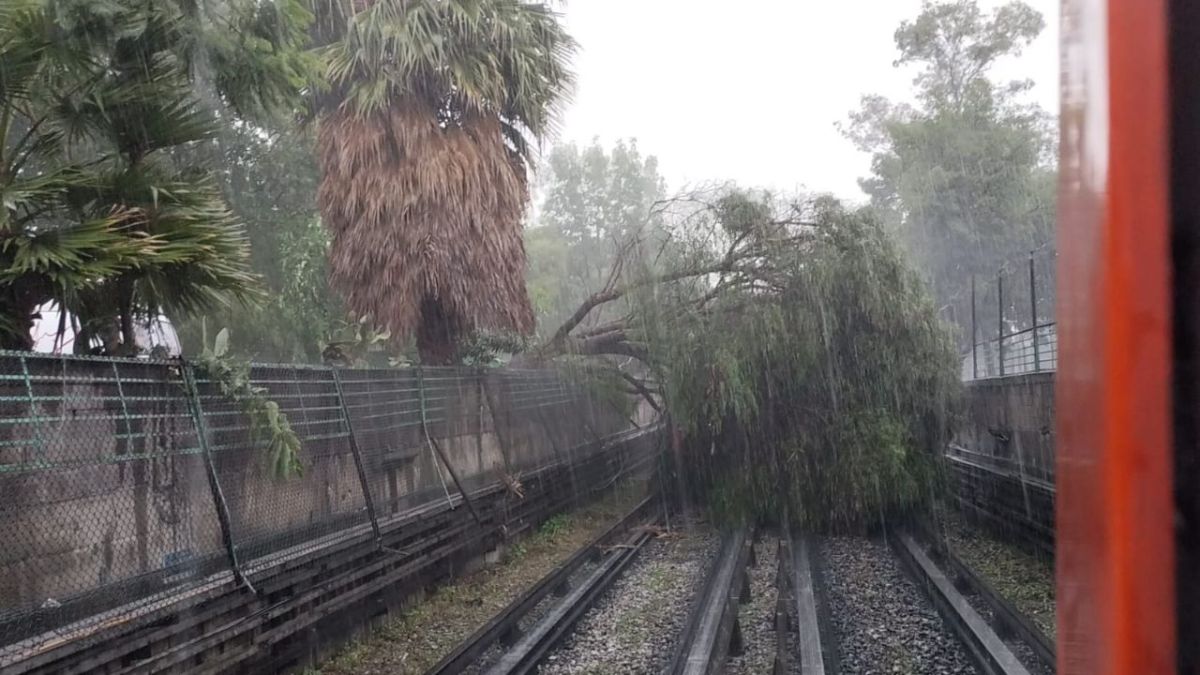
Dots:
pixel 424 143
pixel 592 200
pixel 967 173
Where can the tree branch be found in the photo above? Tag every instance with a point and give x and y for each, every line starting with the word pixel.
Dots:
pixel 641 389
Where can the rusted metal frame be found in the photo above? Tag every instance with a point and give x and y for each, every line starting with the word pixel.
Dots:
pixel 359 466
pixel 214 482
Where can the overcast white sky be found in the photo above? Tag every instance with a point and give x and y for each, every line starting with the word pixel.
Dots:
pixel 750 90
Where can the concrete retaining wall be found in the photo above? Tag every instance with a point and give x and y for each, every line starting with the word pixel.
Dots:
pixel 1011 419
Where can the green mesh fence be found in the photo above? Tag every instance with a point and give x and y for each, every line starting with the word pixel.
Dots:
pixel 125 483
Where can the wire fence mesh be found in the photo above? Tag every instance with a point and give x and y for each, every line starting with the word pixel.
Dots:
pixel 126 482
pixel 1006 321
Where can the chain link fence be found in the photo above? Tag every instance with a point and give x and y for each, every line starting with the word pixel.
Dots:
pixel 125 483
pixel 1006 320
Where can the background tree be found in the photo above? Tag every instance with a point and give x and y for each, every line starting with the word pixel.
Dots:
pixel 424 146
pixel 268 175
pixel 966 174
pixel 591 201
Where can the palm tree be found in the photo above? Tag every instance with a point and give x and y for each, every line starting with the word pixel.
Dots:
pixel 424 146
pixel 98 215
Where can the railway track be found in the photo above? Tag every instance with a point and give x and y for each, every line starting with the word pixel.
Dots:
pixel 999 639
pixel 715 631
pixel 768 611
pixel 519 636
pixel 712 630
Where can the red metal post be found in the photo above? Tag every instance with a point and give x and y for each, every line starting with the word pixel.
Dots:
pixel 1116 593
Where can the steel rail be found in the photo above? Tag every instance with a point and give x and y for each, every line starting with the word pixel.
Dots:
pixel 504 626
pixel 984 647
pixel 808 628
pixel 1004 613
pixel 783 624
pixel 712 630
pixel 531 648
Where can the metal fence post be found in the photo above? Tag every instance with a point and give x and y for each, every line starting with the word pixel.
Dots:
pixel 1033 314
pixel 437 448
pixel 1000 319
pixel 974 335
pixel 214 483
pixel 356 451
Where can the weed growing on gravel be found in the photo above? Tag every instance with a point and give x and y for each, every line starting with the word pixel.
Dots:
pixel 517 551
pixel 554 526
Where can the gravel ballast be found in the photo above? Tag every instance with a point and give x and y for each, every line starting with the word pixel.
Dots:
pixel 757 616
pixel 882 622
pixel 424 633
pixel 1024 579
pixel 634 627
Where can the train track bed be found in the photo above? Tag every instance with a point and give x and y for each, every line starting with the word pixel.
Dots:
pixel 756 614
pixel 634 627
pixel 530 620
pixel 1022 578
pixel 881 621
pixel 412 642
pixel 1031 648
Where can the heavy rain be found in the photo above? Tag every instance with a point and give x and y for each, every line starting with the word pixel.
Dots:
pixel 505 336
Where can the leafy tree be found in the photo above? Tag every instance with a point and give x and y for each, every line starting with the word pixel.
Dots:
pixel 268 176
pixel 797 353
pixel 592 201
pixel 99 216
pixel 424 145
pixel 966 174
pixel 817 394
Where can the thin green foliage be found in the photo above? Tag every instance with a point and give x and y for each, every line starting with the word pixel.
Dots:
pixel 817 391
pixel 268 424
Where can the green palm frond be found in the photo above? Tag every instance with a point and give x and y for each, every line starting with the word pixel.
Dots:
pixel 94 95
pixel 503 58
pixel 77 255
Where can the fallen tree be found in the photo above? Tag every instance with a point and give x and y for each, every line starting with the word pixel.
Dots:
pixel 798 356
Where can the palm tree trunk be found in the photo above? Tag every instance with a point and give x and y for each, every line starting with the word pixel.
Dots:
pixel 438 335
pixel 128 334
pixel 18 304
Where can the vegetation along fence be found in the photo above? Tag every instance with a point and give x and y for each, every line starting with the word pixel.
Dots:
pixel 1006 321
pixel 124 482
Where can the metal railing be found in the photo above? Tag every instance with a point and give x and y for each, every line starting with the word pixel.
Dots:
pixel 1007 320
pixel 124 481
